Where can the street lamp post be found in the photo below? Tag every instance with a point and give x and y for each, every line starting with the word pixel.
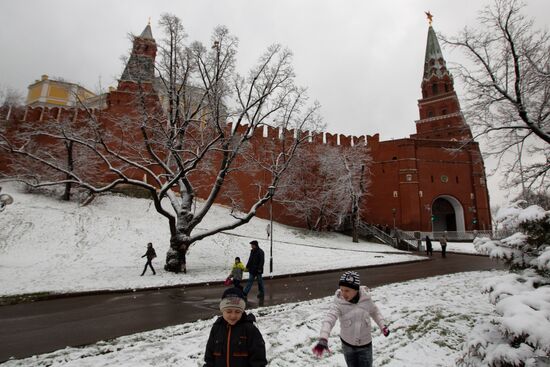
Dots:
pixel 393 211
pixel 271 190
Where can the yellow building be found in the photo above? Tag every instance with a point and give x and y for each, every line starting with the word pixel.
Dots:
pixel 54 93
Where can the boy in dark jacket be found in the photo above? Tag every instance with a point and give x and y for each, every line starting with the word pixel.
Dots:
pixel 234 340
pixel 151 254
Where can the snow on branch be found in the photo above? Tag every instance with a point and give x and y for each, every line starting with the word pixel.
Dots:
pixel 519 334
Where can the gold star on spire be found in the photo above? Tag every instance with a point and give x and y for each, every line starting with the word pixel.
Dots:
pixel 430 16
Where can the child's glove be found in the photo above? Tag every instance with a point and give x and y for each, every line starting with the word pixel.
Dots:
pixel 385 331
pixel 320 348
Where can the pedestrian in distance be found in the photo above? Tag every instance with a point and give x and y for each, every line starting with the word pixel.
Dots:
pixel 237 273
pixel 429 248
pixel 443 242
pixel 354 308
pixel 150 254
pixel 234 340
pixel 255 268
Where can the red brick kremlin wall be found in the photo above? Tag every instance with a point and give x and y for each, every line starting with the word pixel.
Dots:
pixel 406 173
pixel 409 176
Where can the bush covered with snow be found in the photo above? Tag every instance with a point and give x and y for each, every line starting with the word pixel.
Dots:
pixel 519 335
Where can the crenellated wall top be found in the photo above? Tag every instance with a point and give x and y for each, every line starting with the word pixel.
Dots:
pixel 314 137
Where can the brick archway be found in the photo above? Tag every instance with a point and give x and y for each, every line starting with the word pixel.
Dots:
pixel 448 214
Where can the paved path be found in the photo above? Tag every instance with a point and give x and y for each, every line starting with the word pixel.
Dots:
pixel 34 328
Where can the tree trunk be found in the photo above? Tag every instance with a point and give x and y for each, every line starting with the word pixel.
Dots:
pixel 70 166
pixel 176 255
pixel 354 234
pixel 354 219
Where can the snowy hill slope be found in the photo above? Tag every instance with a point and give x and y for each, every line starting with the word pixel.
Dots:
pixel 47 245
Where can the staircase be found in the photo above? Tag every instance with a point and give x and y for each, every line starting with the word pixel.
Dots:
pixel 403 241
pixel 407 239
pixel 367 230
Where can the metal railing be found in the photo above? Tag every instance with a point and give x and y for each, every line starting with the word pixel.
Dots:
pixel 368 230
pixel 408 238
pixel 467 236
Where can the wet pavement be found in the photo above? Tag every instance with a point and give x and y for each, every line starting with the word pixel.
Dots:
pixel 43 326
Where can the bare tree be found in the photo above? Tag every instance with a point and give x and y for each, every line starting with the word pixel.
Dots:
pixel 63 159
pixel 508 91
pixel 326 186
pixel 10 97
pixel 355 181
pixel 185 147
pixel 307 192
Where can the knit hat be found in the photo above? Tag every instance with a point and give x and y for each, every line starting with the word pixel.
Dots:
pixel 233 298
pixel 350 279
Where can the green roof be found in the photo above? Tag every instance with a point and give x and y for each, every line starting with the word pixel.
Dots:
pixel 434 63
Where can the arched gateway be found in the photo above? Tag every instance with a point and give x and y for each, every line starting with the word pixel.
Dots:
pixel 447 214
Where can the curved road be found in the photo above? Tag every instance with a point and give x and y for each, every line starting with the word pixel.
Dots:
pixel 44 326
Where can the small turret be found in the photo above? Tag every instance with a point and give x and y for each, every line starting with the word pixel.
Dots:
pixel 141 64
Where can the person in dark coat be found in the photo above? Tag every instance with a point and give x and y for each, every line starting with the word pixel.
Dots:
pixel 151 254
pixel 255 268
pixel 234 340
pixel 429 248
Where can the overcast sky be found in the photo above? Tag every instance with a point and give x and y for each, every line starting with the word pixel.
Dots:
pixel 362 60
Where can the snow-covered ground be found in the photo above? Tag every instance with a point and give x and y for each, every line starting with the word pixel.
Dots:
pixel 47 245
pixel 428 318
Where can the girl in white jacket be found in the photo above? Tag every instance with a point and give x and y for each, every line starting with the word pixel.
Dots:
pixel 354 307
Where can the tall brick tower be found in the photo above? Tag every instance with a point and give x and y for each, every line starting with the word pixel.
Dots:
pixel 440 115
pixel 433 181
pixel 465 207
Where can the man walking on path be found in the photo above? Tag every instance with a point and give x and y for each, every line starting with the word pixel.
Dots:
pixel 443 242
pixel 151 254
pixel 255 267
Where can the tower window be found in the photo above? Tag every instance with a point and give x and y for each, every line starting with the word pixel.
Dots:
pixel 432 178
pixel 434 89
pixel 446 88
pixel 456 178
pixel 430 114
pixel 444 112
